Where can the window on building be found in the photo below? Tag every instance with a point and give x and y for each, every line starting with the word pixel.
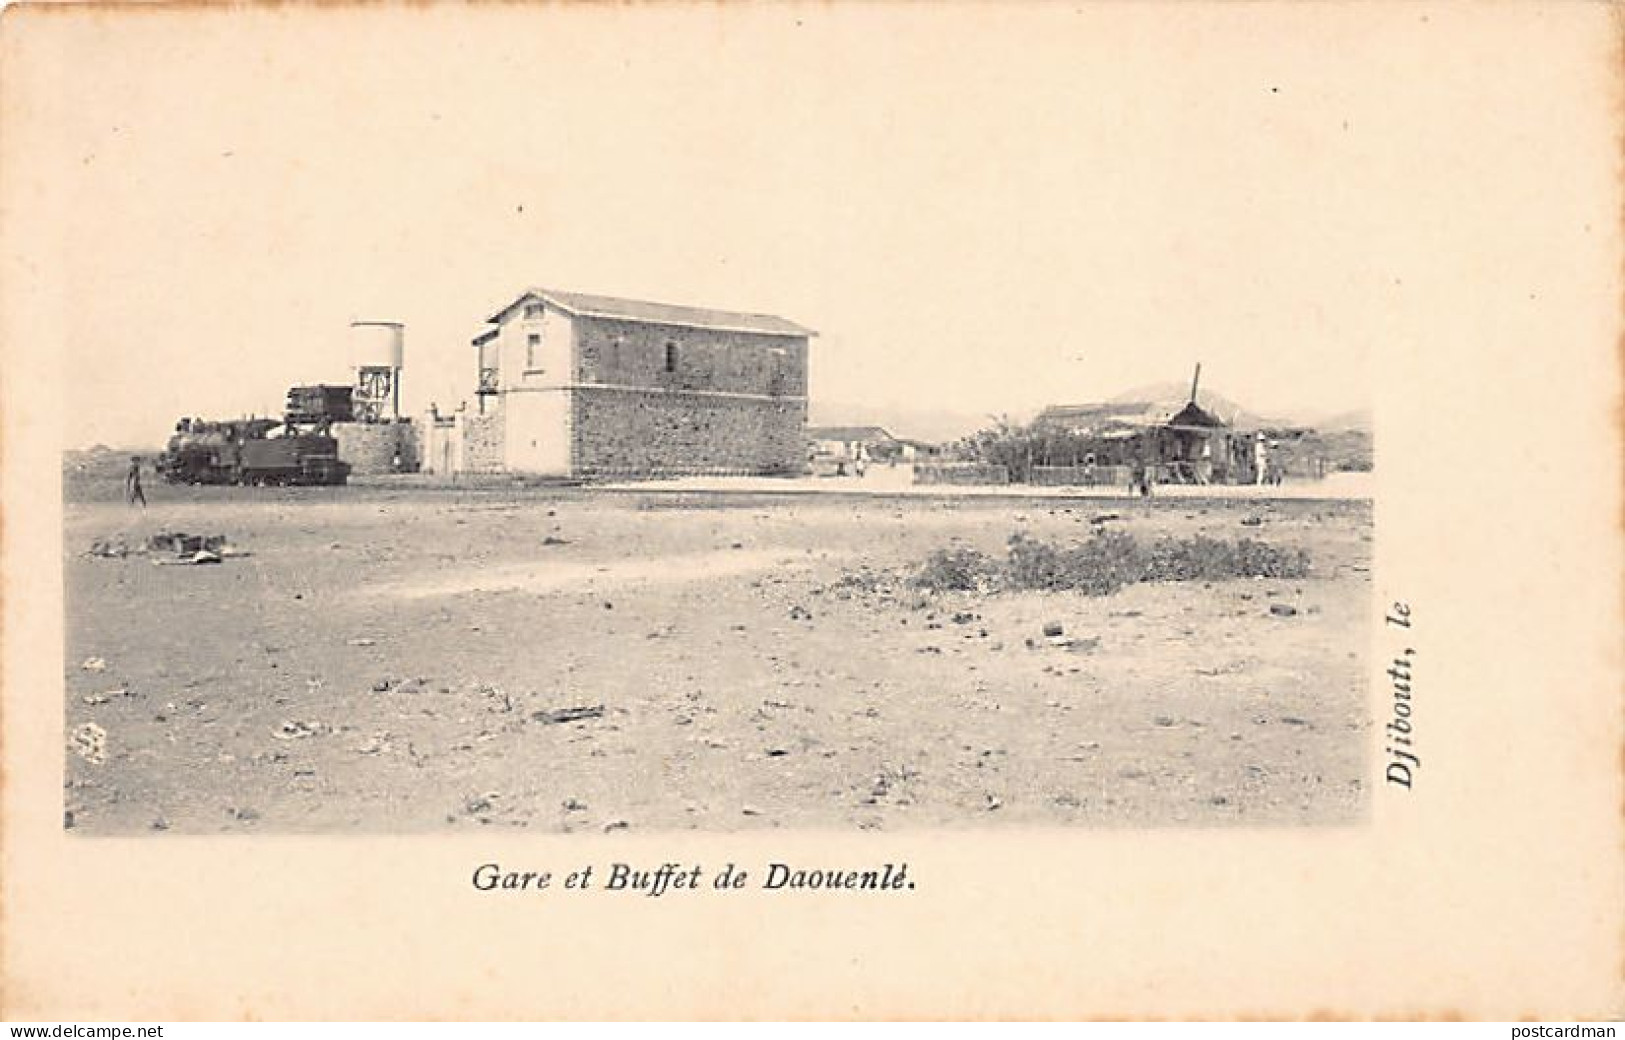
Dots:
pixel 671 357
pixel 533 350
pixel 533 310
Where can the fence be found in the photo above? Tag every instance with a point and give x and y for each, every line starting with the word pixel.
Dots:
pixel 1080 476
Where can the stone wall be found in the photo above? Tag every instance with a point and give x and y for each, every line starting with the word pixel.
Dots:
pixel 630 353
pixel 483 442
pixel 647 433
pixel 371 448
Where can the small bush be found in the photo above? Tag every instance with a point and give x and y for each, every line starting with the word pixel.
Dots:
pixel 959 570
pixel 1106 562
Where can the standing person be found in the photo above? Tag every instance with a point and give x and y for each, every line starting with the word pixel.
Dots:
pixel 1142 478
pixel 132 483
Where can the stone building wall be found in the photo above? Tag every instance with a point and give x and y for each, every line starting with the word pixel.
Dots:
pixel 630 353
pixel 644 433
pixel 371 448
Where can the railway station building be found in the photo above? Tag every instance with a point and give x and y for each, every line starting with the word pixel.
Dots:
pixel 573 385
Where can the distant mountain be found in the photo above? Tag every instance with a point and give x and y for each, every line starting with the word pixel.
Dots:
pixel 1358 419
pixel 1174 394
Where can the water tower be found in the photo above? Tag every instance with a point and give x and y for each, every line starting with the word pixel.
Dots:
pixel 377 353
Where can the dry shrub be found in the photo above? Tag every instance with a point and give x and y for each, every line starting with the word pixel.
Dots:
pixel 1106 562
pixel 955 570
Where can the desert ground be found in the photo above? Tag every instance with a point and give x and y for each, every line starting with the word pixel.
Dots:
pixel 397 658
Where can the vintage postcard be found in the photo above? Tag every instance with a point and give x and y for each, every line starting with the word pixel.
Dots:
pixel 812 511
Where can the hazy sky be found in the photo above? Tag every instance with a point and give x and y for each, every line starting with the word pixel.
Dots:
pixel 981 208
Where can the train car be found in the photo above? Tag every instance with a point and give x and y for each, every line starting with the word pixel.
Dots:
pixel 295 458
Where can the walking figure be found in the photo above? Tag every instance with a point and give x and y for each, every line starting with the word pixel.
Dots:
pixel 132 483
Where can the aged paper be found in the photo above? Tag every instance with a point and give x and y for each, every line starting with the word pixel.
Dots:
pixel 1413 208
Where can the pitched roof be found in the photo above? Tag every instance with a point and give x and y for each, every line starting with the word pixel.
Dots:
pixel 1194 414
pixel 583 305
pixel 1110 413
pixel 850 434
pixel 1093 417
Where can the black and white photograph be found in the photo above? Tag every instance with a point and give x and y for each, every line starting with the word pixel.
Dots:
pixel 486 515
pixel 539 435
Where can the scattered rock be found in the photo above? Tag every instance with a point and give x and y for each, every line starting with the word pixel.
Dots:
pixel 992 802
pixel 1053 628
pixel 550 540
pixel 1283 609
pixel 616 825
pixel 800 613
pixel 94 664
pixel 90 743
pixel 496 699
pixel 571 805
pixel 376 744
pixel 186 544
pixel 295 729
pixel 554 716
pixel 362 641
pixel 1252 521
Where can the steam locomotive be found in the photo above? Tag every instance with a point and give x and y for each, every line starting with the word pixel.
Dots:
pixel 251 451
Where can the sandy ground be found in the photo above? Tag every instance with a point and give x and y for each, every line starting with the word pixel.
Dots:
pixel 394 659
pixel 899 480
